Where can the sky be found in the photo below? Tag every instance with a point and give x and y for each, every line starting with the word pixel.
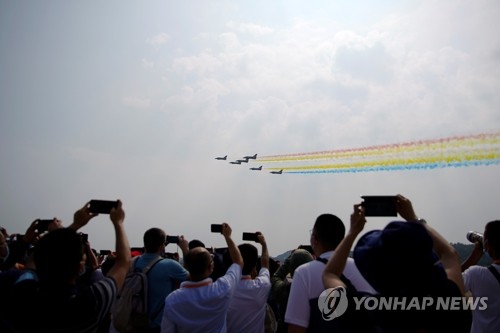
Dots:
pixel 133 100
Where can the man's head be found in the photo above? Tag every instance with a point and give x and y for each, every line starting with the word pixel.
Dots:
pixel 59 256
pixel 154 240
pixel 199 262
pixel 298 258
pixel 492 239
pixel 327 233
pixel 250 256
pixel 195 243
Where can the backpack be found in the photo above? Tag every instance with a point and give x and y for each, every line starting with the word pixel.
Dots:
pixel 130 311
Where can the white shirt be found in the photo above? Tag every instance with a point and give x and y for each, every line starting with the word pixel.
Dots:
pixel 308 284
pixel 247 309
pixel 200 306
pixel 482 283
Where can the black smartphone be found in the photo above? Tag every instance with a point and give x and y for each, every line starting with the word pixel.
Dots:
pixel 250 236
pixel 379 205
pixel 84 238
pixel 172 240
pixel 216 228
pixel 105 252
pixel 43 225
pixel 102 206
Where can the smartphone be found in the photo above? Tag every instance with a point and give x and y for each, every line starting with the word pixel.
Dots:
pixel 105 252
pixel 43 225
pixel 102 206
pixel 379 205
pixel 216 228
pixel 84 238
pixel 250 236
pixel 172 240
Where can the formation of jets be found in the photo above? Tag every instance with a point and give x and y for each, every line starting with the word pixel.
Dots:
pixel 245 159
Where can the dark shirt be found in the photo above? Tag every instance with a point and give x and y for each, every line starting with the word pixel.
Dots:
pixel 35 308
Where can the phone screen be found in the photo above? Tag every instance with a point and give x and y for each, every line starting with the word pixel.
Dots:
pixel 172 240
pixel 102 206
pixel 250 236
pixel 379 205
pixel 216 228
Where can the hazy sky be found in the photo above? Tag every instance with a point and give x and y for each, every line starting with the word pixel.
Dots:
pixel 135 99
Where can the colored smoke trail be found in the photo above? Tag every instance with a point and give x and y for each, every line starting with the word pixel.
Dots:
pixel 463 151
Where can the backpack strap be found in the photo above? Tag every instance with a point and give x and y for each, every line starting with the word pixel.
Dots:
pixel 494 271
pixel 344 279
pixel 151 265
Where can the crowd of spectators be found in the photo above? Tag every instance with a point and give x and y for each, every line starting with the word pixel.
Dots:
pixel 52 280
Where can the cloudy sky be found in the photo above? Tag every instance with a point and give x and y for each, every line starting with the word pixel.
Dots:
pixel 135 99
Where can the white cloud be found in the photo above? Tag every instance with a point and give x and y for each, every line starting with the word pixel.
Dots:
pixel 147 64
pixel 158 40
pixel 136 102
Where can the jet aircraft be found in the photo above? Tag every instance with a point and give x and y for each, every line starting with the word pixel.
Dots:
pixel 221 158
pixel 277 172
pixel 235 162
pixel 259 168
pixel 250 157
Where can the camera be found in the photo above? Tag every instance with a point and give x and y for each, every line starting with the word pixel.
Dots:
pixel 172 240
pixel 474 236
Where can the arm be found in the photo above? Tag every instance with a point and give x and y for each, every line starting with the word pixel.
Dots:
pixel 122 261
pixel 81 217
pixel 446 253
pixel 233 250
pixel 337 262
pixel 4 248
pixel 264 258
pixel 474 257
pixel 184 245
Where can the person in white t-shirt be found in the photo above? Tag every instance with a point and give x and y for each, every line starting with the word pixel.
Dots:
pixel 307 283
pixel 247 310
pixel 200 305
pixel 482 281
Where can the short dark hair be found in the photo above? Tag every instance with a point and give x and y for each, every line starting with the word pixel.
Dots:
pixel 492 234
pixel 197 262
pixel 153 238
pixel 329 230
pixel 195 243
pixel 250 256
pixel 57 255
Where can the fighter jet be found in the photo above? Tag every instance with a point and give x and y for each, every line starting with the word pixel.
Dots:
pixel 221 158
pixel 235 162
pixel 250 157
pixel 259 168
pixel 277 172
